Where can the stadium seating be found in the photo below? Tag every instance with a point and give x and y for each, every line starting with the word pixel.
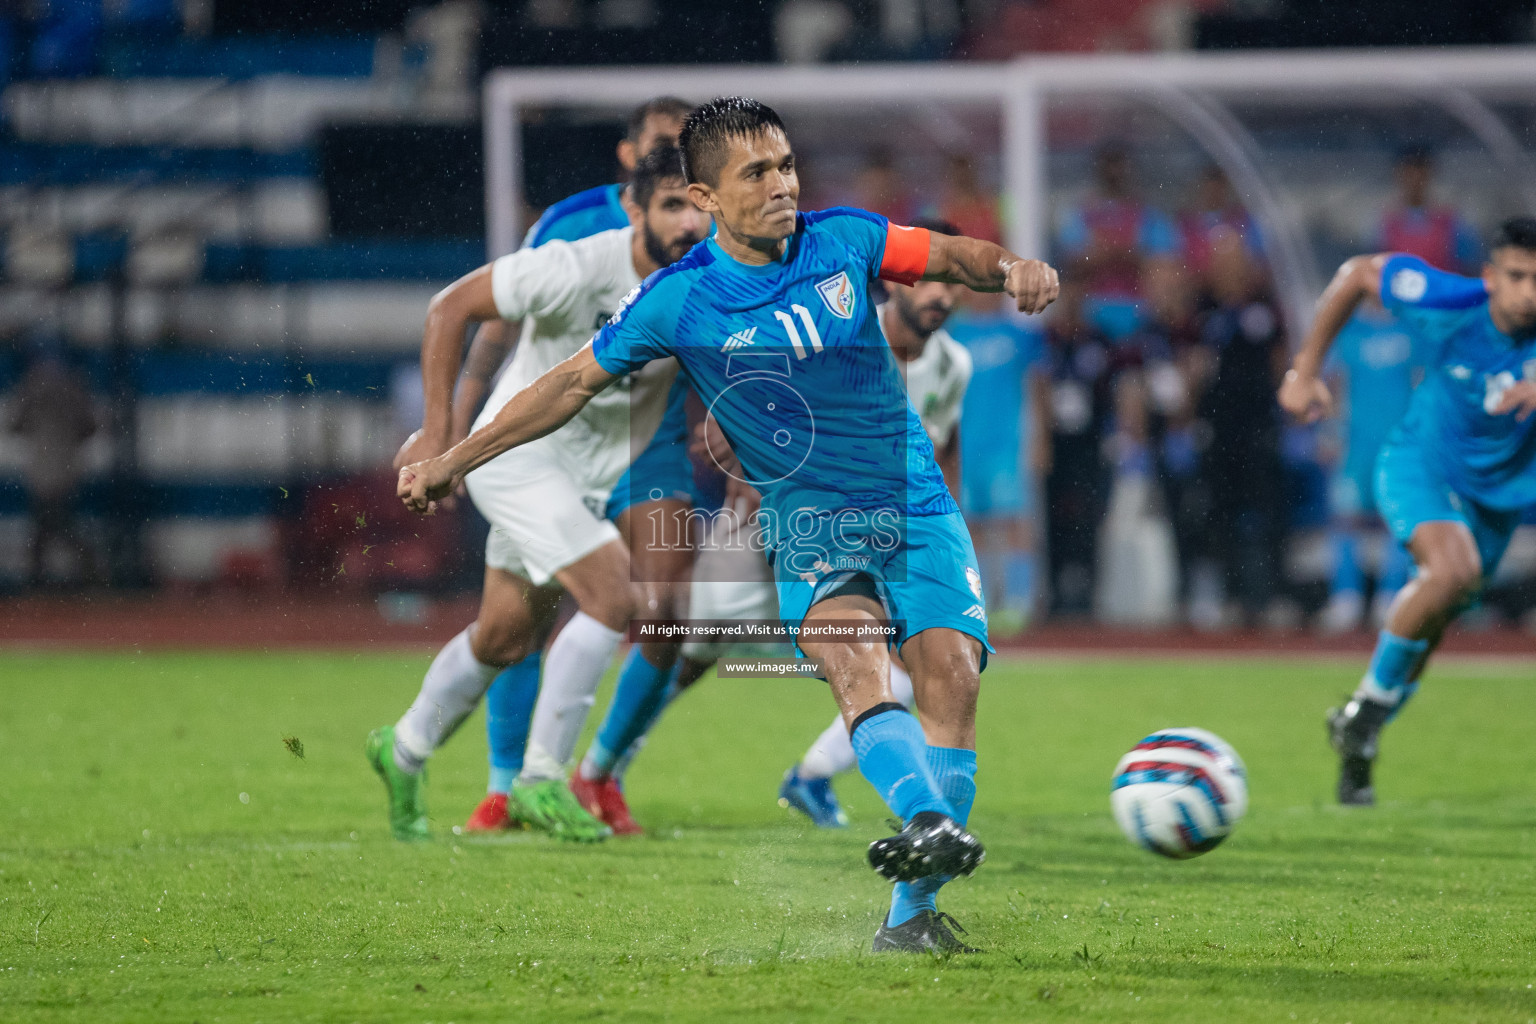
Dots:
pixel 171 214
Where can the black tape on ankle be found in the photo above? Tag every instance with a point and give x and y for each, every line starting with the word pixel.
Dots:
pixel 878 709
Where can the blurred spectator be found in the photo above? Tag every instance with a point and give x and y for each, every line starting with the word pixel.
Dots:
pixel 1007 407
pixel 1214 207
pixel 55 416
pixel 880 187
pixel 1107 241
pixel 1415 224
pixel 1376 363
pixel 965 203
pixel 1242 330
pixel 1077 484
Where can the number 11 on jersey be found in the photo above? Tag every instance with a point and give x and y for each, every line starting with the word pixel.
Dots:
pixel 794 333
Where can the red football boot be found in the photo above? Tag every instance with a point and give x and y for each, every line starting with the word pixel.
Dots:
pixel 604 800
pixel 491 815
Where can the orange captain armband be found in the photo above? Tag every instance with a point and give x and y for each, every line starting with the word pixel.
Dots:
pixel 906 254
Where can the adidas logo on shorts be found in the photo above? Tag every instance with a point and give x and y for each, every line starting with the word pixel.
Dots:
pixel 977 612
pixel 741 339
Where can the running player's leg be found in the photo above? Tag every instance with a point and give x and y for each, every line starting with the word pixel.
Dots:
pixel 662 559
pixel 1454 544
pixel 543 523
pixel 508 710
pixel 574 665
pixel 513 615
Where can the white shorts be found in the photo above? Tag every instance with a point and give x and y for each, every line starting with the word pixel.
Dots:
pixel 541 519
pixel 731 582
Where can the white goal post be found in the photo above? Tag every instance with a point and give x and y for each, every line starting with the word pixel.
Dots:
pixel 1195 92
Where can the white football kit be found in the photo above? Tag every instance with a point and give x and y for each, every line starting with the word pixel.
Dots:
pixel 936 383
pixel 544 500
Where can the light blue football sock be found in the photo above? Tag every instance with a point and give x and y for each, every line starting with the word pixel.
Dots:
pixel 508 714
pixel 955 771
pixel 893 757
pixel 1390 679
pixel 638 699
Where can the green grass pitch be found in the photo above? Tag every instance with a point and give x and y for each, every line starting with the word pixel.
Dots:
pixel 165 857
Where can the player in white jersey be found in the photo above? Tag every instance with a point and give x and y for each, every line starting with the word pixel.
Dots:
pixel 936 369
pixel 545 500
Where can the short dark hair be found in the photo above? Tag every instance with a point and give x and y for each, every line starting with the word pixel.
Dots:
pixel 706 135
pixel 661 106
pixel 1519 232
pixel 662 164
pixel 938 225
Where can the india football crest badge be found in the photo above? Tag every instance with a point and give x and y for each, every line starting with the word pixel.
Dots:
pixel 973 579
pixel 1409 285
pixel 837 292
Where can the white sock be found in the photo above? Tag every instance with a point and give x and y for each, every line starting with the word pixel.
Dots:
pixel 832 753
pixel 454 684
pixel 573 666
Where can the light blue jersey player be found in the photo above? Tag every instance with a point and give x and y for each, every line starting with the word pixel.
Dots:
pixel 1007 396
pixel 771 322
pixel 510 700
pixel 1380 361
pixel 1457 472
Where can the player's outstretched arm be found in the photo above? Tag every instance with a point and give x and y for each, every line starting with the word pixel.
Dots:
pixel 542 407
pixel 442 343
pixel 988 267
pixel 1303 392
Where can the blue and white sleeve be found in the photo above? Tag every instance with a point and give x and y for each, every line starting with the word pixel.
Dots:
pixel 1408 284
pixel 637 334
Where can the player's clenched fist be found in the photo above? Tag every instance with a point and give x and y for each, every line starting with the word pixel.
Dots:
pixel 423 484
pixel 1305 397
pixel 1033 284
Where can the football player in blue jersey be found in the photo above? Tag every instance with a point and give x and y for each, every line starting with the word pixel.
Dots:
pixel 652 496
pixel 867 545
pixel 652 125
pixel 1456 473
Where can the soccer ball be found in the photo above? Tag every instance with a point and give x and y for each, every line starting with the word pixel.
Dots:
pixel 1179 792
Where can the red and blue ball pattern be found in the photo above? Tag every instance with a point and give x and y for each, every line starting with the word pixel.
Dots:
pixel 1179 792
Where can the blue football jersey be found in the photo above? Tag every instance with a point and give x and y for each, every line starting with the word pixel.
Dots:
pixel 790 359
pixel 578 216
pixel 1470 363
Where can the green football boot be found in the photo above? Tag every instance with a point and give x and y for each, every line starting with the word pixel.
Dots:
pixel 550 806
pixel 407 796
